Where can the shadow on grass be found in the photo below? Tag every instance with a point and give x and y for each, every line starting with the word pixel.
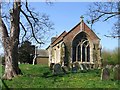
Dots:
pixel 50 74
pixel 5 85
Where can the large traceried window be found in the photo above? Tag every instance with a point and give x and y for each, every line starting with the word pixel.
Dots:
pixel 81 48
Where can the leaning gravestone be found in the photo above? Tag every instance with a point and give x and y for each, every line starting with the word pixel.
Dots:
pixel 84 66
pixel 105 74
pixel 57 69
pixel 116 72
pixel 81 67
pixel 65 69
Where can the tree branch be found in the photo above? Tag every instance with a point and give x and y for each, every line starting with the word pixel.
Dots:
pixel 116 13
pixel 31 26
pixel 97 18
pixel 105 11
pixel 3 29
pixel 4 34
pixel 109 17
pixel 112 36
pixel 35 19
pixel 24 30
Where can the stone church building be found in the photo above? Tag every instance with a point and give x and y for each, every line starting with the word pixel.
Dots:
pixel 80 45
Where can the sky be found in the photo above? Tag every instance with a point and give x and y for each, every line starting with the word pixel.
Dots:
pixel 65 15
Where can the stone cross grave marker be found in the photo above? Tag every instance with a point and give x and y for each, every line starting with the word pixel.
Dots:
pixel 105 74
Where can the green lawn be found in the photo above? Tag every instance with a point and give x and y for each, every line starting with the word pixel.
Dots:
pixel 39 76
pixel 0 76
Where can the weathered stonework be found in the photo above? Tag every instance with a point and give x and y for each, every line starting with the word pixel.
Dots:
pixel 80 44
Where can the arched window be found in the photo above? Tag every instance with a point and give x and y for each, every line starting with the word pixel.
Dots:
pixel 83 53
pixel 88 53
pixel 81 48
pixel 63 54
pixel 79 53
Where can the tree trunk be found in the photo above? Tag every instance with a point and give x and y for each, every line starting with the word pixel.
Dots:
pixel 10 42
pixel 11 60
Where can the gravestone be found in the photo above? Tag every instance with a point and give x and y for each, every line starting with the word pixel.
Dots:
pixel 105 74
pixel 77 65
pixel 84 66
pixel 57 69
pixel 91 66
pixel 116 72
pixel 81 67
pixel 65 69
pixel 51 66
pixel 88 66
pixel 109 66
pixel 74 69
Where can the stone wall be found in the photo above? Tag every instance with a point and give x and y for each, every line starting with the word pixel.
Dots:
pixel 42 60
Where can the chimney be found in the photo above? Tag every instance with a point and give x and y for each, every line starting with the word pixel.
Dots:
pixel 53 39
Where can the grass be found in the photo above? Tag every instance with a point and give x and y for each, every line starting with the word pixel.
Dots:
pixel 39 76
pixel 0 76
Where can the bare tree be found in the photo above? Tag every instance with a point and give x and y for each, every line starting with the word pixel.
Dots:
pixel 34 27
pixel 105 11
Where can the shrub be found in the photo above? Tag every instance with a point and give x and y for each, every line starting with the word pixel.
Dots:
pixel 110 56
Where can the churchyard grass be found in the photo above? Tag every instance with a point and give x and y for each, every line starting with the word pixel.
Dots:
pixel 39 76
pixel 0 76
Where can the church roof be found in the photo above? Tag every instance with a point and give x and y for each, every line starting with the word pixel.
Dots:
pixel 78 25
pixel 42 53
pixel 59 38
pixel 64 34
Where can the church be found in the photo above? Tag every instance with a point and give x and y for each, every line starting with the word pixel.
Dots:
pixel 79 45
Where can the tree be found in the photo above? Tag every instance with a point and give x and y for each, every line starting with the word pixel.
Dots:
pixel 26 52
pixel 105 11
pixel 110 56
pixel 10 33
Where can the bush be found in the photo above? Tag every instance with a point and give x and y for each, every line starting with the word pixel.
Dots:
pixel 110 57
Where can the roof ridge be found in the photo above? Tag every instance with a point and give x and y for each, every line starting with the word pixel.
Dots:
pixel 59 36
